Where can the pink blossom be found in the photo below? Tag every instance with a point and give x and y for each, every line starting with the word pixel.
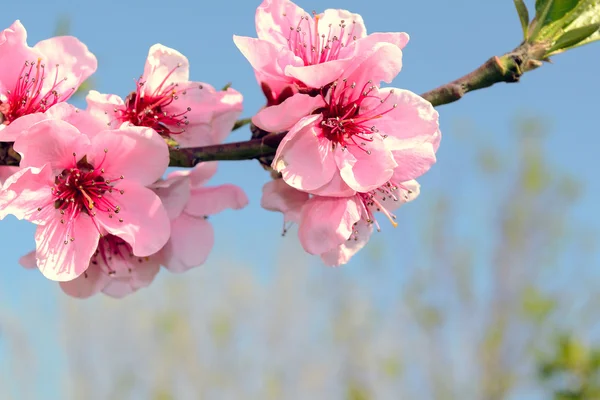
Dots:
pixel 78 188
pixel 336 228
pixel 114 268
pixel 32 79
pixel 296 50
pixel 354 135
pixel 191 113
pixel 189 204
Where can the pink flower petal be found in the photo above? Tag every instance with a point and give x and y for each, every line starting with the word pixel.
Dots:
pixel 382 62
pixel 145 225
pixel 342 254
pixel 140 277
pixel 174 193
pixel 64 262
pixel 25 192
pixel 202 173
pixel 51 142
pixel 302 125
pixel 67 59
pixel 260 54
pixel 198 175
pixel 335 188
pixel 412 118
pixel 14 51
pixel 211 116
pixel 327 222
pixel 399 39
pixel 136 153
pixel 28 261
pixel 274 19
pixel 82 120
pixel 284 116
pixel 319 75
pixel 364 171
pixel 306 161
pixel 212 200
pixel 92 281
pixel 164 65
pixel 12 131
pixel 192 238
pixel 331 19
pixel 279 196
pixel 103 106
pixel 6 172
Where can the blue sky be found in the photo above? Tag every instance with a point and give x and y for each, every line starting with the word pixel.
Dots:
pixel 448 39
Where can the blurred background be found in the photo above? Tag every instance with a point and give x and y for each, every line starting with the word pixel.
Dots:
pixel 486 290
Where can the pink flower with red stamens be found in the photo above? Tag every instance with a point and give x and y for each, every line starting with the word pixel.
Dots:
pixel 354 135
pixel 191 113
pixel 117 271
pixel 33 79
pixel 336 228
pixel 296 50
pixel 113 270
pixel 78 188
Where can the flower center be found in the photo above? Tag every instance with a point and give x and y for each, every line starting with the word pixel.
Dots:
pixel 84 189
pixel 156 109
pixel 29 95
pixel 378 199
pixel 114 256
pixel 315 47
pixel 345 120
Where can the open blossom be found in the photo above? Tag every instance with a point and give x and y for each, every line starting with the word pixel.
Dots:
pixel 336 228
pixel 191 113
pixel 114 268
pixel 303 52
pixel 78 188
pixel 354 135
pixel 32 79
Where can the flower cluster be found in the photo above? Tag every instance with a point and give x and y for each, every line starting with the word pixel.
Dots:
pixel 92 180
pixel 95 181
pixel 352 148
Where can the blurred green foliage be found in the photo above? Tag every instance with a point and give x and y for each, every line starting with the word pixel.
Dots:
pixel 573 370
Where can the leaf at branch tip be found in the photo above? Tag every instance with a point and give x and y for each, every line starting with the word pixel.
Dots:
pixel 558 10
pixel 574 37
pixel 540 18
pixel 582 13
pixel 523 16
pixel 589 14
pixel 226 87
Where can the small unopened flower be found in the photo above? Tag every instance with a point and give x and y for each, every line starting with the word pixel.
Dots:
pixel 79 188
pixel 33 79
pixel 297 50
pixel 191 113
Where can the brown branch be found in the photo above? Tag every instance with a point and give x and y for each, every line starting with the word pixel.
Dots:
pixel 507 68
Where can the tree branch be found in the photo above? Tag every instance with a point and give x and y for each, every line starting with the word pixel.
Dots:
pixel 507 68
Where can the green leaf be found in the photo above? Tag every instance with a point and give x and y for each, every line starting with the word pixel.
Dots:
pixel 523 16
pixel 571 38
pixel 558 10
pixel 589 14
pixel 226 87
pixel 540 18
pixel 586 12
